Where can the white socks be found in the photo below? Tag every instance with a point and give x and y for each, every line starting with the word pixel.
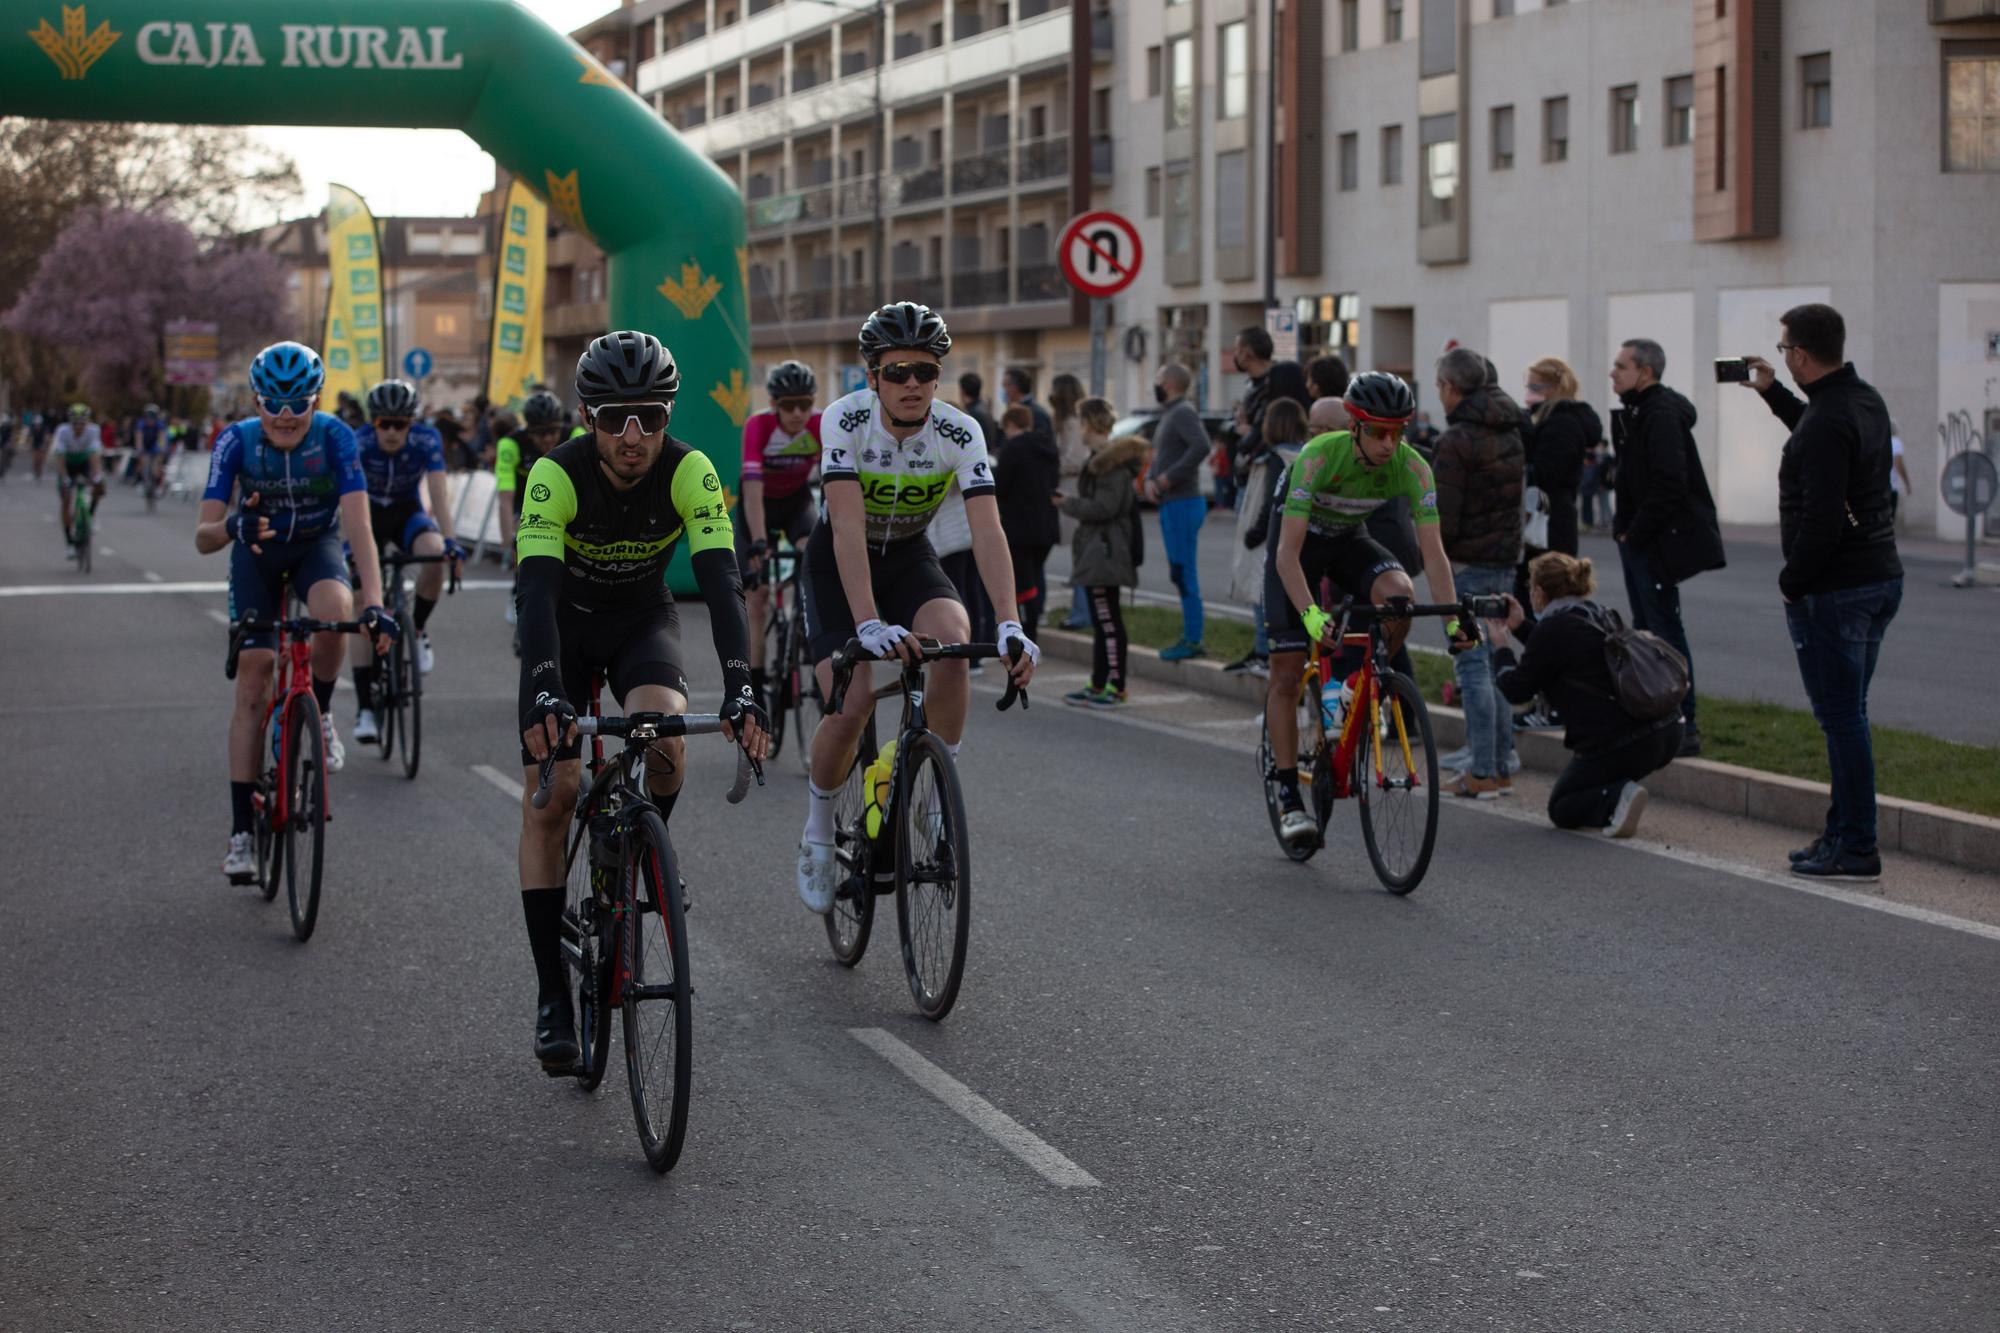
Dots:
pixel 819 814
pixel 952 747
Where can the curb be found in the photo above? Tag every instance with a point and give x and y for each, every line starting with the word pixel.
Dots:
pixel 1955 837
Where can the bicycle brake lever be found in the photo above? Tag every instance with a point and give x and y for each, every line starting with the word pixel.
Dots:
pixel 547 788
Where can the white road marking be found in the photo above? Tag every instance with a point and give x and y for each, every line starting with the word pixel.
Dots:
pixel 512 786
pixel 115 589
pixel 106 550
pixel 1254 720
pixel 219 617
pixel 151 577
pixel 1008 1132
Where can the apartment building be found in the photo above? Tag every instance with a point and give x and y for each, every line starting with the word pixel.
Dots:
pixel 1533 177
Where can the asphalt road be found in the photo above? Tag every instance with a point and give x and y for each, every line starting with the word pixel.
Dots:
pixel 1935 672
pixel 1565 1085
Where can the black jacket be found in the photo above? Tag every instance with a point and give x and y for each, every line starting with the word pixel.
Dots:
pixel 1836 524
pixel 1563 657
pixel 1664 506
pixel 1285 379
pixel 1478 470
pixel 1026 472
pixel 1558 442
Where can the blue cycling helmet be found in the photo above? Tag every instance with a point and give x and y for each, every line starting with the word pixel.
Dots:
pixel 286 370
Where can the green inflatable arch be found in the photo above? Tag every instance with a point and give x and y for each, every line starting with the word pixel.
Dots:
pixel 670 222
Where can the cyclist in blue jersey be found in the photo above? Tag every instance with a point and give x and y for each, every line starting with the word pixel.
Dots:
pixel 149 442
pixel 401 457
pixel 299 478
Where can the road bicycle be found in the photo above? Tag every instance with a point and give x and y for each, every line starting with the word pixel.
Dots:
pixel 399 686
pixel 917 847
pixel 82 522
pixel 290 803
pixel 624 923
pixel 793 702
pixel 1379 751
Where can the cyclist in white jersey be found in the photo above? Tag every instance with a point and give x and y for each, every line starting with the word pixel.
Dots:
pixel 889 454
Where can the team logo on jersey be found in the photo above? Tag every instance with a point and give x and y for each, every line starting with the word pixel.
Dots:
pixel 539 492
pixel 1430 500
pixel 709 482
pixel 836 458
pixel 74 49
pixel 870 455
pixel 979 470
pixel 854 420
pixel 958 435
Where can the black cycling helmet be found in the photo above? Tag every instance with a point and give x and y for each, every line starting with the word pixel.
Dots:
pixel 1376 395
pixel 626 367
pixel 392 398
pixel 904 325
pixel 542 408
pixel 792 379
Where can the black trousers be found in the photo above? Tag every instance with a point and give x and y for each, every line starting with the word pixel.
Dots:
pixel 963 571
pixel 1109 647
pixel 1586 793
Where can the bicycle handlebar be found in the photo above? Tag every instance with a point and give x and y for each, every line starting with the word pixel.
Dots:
pixel 853 654
pixel 399 559
pixel 297 626
pixel 1489 607
pixel 665 726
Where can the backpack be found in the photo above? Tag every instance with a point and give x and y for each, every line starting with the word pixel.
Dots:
pixel 1648 677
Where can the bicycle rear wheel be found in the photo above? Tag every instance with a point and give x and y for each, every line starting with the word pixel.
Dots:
pixel 1396 781
pixel 852 919
pixel 80 525
pixel 1307 710
pixel 270 847
pixel 305 814
pixel 806 701
pixel 587 946
pixel 933 874
pixel 409 694
pixel 778 672
pixel 654 990
pixel 388 688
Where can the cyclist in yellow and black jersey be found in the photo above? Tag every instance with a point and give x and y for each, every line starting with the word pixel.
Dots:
pixel 600 520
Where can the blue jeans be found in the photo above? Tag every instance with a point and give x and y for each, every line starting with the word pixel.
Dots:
pixel 1838 636
pixel 1489 719
pixel 1656 608
pixel 1180 532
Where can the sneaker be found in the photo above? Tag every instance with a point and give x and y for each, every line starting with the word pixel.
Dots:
pixel 1261 668
pixel 1242 665
pixel 1475 788
pixel 1505 783
pixel 1109 698
pixel 1295 824
pixel 1836 862
pixel 336 753
pixel 555 1035
pixel 241 863
pixel 1182 651
pixel 425 658
pixel 365 730
pixel 1625 818
pixel 1082 698
pixel 1690 746
pixel 818 876
pixel 1809 851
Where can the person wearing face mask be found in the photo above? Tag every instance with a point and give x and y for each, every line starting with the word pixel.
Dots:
pixel 1180 447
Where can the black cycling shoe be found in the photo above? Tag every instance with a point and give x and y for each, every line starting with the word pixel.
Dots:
pixel 555 1036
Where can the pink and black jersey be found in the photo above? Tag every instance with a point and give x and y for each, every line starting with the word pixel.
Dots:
pixel 784 463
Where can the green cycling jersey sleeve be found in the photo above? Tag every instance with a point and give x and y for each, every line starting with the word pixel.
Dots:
pixel 547 511
pixel 704 509
pixel 1335 491
pixel 506 461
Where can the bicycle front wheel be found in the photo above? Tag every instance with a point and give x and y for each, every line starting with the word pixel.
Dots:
pixel 852 919
pixel 1396 781
pixel 270 845
pixel 806 713
pixel 778 672
pixel 654 991
pixel 588 942
pixel 305 813
pixel 388 688
pixel 933 874
pixel 409 695
pixel 1306 712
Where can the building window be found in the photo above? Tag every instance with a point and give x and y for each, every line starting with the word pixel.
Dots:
pixel 1350 25
pixel 1234 48
pixel 1625 118
pixel 1392 154
pixel 1180 210
pixel 1350 161
pixel 1438 204
pixel 1972 110
pixel 1392 20
pixel 1816 91
pixel 1555 129
pixel 1232 200
pixel 1500 131
pixel 1152 71
pixel 1180 64
pixel 1152 192
pixel 1680 111
pixel 1503 9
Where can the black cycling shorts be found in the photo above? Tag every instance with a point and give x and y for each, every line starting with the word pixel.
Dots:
pixel 1352 563
pixel 400 524
pixel 625 648
pixel 904 578
pixel 795 516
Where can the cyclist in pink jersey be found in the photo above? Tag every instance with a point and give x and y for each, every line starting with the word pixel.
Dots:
pixel 780 451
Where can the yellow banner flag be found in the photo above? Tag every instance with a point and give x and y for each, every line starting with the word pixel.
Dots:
pixel 352 341
pixel 514 362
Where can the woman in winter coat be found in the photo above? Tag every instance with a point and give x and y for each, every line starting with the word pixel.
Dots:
pixel 1101 553
pixel 1564 659
pixel 1561 432
pixel 1026 472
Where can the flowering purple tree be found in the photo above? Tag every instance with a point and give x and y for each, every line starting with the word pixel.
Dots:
pixel 107 288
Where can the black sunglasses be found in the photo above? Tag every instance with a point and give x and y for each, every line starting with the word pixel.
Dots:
pixel 794 404
pixel 392 423
pixel 902 372
pixel 612 418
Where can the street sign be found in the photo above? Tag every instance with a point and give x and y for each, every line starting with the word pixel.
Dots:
pixel 1970 484
pixel 416 363
pixel 1282 323
pixel 191 351
pixel 1100 253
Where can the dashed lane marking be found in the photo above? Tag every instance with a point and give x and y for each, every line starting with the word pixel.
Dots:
pixel 512 786
pixel 129 589
pixel 219 617
pixel 151 577
pixel 989 1119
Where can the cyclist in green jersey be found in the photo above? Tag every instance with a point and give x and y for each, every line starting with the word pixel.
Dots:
pixel 544 422
pixel 601 519
pixel 1335 483
pixel 78 446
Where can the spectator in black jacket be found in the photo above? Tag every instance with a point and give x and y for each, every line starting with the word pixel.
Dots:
pixel 1027 472
pixel 1564 660
pixel 1666 525
pixel 1559 434
pixel 970 389
pixel 1842 579
pixel 1269 381
pixel 1017 385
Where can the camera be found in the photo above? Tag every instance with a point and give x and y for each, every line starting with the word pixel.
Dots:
pixel 1732 370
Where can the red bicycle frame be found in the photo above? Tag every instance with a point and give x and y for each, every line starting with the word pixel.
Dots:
pixel 291 676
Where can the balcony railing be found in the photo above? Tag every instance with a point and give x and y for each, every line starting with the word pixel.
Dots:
pixel 853 62
pixel 765 308
pixel 1042 282
pixel 1044 159
pixel 921 185
pixel 981 171
pixel 857 198
pixel 806 76
pixel 811 303
pixel 983 287
pixel 1100 155
pixel 857 298
pixel 1101 42
pixel 761 93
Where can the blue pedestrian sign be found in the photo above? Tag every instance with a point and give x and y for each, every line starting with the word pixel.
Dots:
pixel 416 363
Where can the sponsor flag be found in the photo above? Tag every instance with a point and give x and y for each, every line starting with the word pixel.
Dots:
pixel 514 359
pixel 352 341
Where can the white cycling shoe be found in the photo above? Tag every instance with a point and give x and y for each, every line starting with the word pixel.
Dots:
pixel 425 659
pixel 818 876
pixel 241 863
pixel 1294 825
pixel 366 732
pixel 336 753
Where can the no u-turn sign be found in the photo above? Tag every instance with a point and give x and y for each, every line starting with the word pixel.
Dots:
pixel 1100 253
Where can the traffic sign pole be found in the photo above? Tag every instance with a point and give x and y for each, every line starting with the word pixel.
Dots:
pixel 1969 486
pixel 1100 321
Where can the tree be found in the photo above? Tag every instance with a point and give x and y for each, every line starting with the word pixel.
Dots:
pixel 106 289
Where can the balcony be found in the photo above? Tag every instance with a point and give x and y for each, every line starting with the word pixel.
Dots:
pixel 982 171
pixel 763 214
pixel 924 289
pixel 857 298
pixel 811 303
pixel 765 307
pixel 760 93
pixel 1102 45
pixel 806 76
pixel 854 62
pixel 1043 160
pixel 1100 158
pixel 984 287
pixel 574 319
pixel 857 198
pixel 920 185
pixel 1042 282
